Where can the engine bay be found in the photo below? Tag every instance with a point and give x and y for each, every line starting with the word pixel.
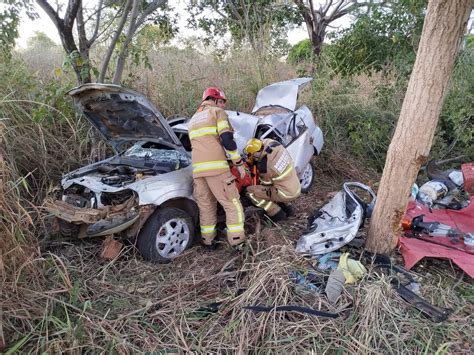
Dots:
pixel 107 179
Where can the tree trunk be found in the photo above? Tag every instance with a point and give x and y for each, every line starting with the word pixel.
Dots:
pixel 316 29
pixel 317 39
pixel 444 25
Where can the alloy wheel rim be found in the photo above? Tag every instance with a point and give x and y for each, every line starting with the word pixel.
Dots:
pixel 307 176
pixel 172 238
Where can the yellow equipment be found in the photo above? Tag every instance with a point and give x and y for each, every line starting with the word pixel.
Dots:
pixel 253 146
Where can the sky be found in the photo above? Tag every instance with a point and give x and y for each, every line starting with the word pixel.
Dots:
pixel 44 24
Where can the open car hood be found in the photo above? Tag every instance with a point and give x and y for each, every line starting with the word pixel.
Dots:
pixel 121 114
pixel 283 93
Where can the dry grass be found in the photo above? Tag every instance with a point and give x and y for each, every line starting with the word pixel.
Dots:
pixel 83 303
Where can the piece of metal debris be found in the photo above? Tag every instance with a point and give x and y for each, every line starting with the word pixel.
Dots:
pixel 337 222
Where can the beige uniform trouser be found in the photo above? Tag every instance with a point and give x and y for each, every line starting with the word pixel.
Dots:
pixel 220 188
pixel 267 197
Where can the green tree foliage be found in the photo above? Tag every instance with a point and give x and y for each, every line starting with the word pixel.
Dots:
pixel 300 52
pixel 455 134
pixel 10 11
pixel 380 40
pixel 263 24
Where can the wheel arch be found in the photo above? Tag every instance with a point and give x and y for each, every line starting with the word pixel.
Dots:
pixel 187 205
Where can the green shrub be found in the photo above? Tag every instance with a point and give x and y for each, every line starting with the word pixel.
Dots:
pixel 455 132
pixel 300 52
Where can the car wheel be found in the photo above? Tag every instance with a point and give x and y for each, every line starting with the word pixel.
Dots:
pixel 166 234
pixel 307 178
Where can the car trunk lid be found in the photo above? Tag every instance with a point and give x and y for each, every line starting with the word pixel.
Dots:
pixel 283 93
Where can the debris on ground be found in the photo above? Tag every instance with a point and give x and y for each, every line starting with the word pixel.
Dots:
pixel 335 285
pixel 337 223
pixel 407 288
pixel 110 248
pixel 439 222
pixel 353 270
pixel 328 261
pixel 291 308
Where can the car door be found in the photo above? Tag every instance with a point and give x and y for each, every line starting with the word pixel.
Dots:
pixel 301 150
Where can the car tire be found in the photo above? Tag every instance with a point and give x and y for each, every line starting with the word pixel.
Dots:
pixel 167 233
pixel 307 178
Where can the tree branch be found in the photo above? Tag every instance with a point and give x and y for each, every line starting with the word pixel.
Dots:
pixel 81 31
pixel 150 9
pixel 113 43
pixel 95 34
pixel 71 12
pixel 124 49
pixel 53 15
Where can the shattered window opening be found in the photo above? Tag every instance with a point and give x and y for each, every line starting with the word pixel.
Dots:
pixel 160 155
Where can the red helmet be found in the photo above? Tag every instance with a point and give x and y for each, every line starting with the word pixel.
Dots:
pixel 213 92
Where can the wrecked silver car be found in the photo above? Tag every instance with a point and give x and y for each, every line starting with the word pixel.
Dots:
pixel 275 116
pixel 336 223
pixel 143 192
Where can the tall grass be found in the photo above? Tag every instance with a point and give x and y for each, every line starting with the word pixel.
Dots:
pixel 179 76
pixel 38 143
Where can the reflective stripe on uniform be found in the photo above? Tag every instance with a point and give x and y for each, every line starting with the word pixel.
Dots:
pixel 210 165
pixel 235 228
pixel 255 200
pixel 284 173
pixel 204 131
pixel 233 154
pixel 298 192
pixel 221 125
pixel 238 207
pixel 210 229
pixel 266 205
pixel 265 182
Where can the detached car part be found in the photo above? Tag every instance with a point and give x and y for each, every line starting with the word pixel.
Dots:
pixel 397 273
pixel 337 222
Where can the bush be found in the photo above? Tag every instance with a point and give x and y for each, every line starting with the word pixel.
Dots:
pixel 455 132
pixel 300 52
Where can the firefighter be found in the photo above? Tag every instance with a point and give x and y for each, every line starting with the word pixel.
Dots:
pixel 213 144
pixel 278 179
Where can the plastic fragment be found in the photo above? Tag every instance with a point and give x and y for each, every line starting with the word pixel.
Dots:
pixel 353 270
pixel 335 285
pixel 310 281
pixel 328 261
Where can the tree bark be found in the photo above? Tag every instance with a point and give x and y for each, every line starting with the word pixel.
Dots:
pixel 444 25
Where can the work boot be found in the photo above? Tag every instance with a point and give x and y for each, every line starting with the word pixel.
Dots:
pixel 213 246
pixel 287 208
pixel 280 216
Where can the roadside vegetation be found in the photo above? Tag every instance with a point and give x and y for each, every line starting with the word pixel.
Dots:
pixel 59 296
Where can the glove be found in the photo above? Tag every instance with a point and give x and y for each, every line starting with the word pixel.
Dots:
pixel 242 171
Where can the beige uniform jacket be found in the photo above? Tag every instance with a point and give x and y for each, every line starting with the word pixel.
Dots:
pixel 276 168
pixel 209 157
